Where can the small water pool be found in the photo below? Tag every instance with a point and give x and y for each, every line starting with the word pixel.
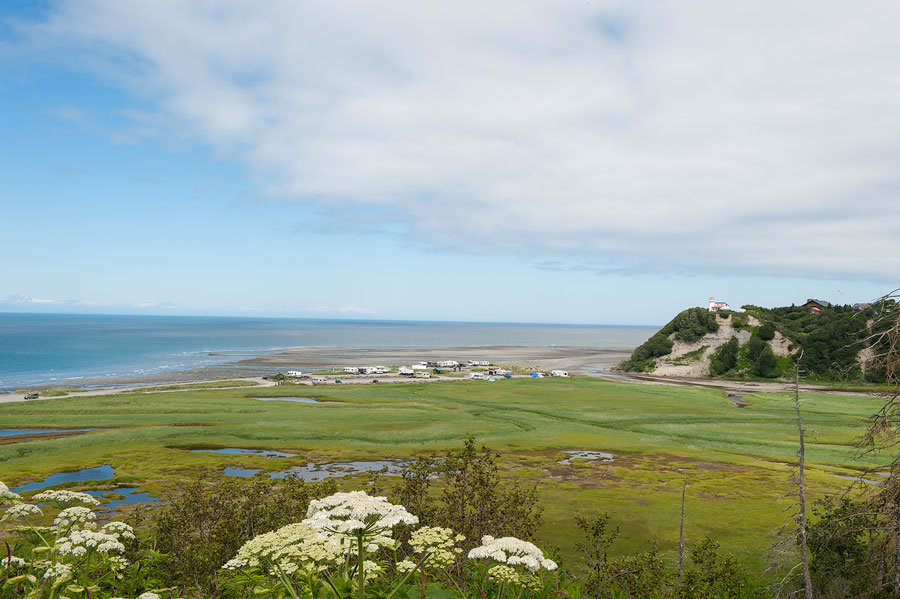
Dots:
pixel 132 495
pixel 269 453
pixel 15 432
pixel 312 472
pixel 296 399
pixel 98 473
pixel 589 456
pixel 241 472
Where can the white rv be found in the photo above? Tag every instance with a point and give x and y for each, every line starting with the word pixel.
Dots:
pixel 477 376
pixel 294 374
pixel 405 371
pixel 351 370
pixel 562 373
pixel 423 375
pixel 319 380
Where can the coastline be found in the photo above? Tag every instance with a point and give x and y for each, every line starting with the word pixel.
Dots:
pixel 581 361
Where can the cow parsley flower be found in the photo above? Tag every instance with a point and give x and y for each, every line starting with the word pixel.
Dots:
pixel 439 542
pixel 148 595
pixel 6 496
pixel 20 510
pixel 12 562
pixel 74 515
pixel 512 551
pixel 58 572
pixel 348 513
pixel 119 529
pixel 290 548
pixel 62 498
pixel 80 541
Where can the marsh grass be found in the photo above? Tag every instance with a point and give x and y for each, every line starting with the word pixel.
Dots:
pixel 658 434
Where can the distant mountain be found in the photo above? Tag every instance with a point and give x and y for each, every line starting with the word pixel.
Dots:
pixel 763 342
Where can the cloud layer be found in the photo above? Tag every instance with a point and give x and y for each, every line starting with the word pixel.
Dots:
pixel 673 136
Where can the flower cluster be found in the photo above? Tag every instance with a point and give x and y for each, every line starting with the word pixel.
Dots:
pixel 290 548
pixel 57 572
pixel 513 552
pixel 62 498
pixel 12 562
pixel 79 542
pixel 20 510
pixel 439 543
pixel 121 530
pixel 6 496
pixel 74 515
pixel 348 513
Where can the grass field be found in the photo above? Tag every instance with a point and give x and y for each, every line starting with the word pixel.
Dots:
pixel 733 458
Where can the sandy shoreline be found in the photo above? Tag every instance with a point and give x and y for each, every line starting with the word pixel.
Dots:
pixel 578 360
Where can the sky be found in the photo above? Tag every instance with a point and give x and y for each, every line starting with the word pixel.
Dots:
pixel 516 161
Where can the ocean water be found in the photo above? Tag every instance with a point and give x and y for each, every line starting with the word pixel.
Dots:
pixel 63 349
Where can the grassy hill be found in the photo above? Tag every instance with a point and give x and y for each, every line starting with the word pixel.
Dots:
pixel 763 343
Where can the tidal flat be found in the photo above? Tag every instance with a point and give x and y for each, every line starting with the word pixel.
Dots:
pixel 735 460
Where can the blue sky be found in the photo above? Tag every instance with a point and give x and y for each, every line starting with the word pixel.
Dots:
pixel 535 162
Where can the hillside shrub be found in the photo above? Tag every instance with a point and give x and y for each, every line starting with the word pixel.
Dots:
pixel 642 358
pixel 200 529
pixel 691 324
pixel 725 358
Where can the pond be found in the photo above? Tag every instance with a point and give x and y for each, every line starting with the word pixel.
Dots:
pixel 132 495
pixel 242 472
pixel 312 472
pixel 297 399
pixel 99 473
pixel 590 456
pixel 15 432
pixel 269 453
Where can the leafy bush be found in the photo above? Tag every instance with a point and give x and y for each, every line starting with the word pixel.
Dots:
pixel 725 358
pixel 691 324
pixel 199 530
pixel 642 358
pixel 766 331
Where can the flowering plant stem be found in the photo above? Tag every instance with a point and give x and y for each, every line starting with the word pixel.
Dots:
pixel 360 569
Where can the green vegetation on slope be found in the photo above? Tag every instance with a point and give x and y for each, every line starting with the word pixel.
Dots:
pixel 688 326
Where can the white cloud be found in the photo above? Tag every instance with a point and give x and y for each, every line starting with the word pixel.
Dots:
pixel 692 135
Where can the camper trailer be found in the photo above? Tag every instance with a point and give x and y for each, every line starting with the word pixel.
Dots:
pixel 319 380
pixel 562 373
pixel 477 376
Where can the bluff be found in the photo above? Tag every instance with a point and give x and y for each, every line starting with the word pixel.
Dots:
pixel 763 343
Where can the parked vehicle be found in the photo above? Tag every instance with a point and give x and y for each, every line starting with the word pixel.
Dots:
pixel 32 396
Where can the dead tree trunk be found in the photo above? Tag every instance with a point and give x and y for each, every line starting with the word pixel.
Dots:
pixel 801 517
pixel 681 535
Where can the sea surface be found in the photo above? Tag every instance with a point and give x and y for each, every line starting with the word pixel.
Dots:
pixel 63 349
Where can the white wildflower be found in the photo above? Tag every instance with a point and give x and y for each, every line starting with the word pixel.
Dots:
pixel 512 551
pixel 74 515
pixel 504 574
pixel 370 570
pixel 7 496
pixel 80 541
pixel 12 562
pixel 292 547
pixel 148 595
pixel 20 510
pixel 439 543
pixel 119 529
pixel 118 562
pixel 63 498
pixel 58 572
pixel 347 513
pixel 406 566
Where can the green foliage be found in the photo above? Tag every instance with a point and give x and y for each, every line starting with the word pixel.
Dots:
pixel 766 331
pixel 841 563
pixel 199 530
pixel 473 501
pixel 688 326
pixel 714 574
pixel 691 324
pixel 724 359
pixel 642 359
